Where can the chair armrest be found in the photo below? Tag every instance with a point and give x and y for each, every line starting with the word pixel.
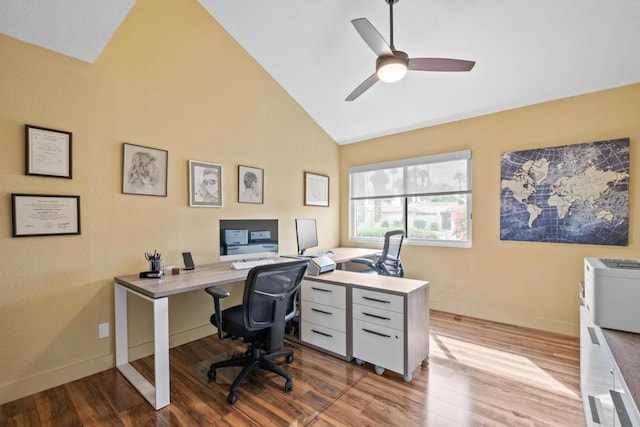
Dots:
pixel 364 261
pixel 217 293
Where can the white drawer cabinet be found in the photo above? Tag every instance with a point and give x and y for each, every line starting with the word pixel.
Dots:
pixel 380 330
pixel 378 325
pixel 377 319
pixel 605 395
pixel 323 316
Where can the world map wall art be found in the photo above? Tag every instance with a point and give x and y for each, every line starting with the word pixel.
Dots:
pixel 571 194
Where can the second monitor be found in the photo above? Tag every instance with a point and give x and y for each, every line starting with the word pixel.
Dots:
pixel 306 235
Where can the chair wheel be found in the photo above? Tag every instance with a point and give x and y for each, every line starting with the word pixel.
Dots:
pixel 289 358
pixel 212 374
pixel 288 386
pixel 232 398
pixel 379 370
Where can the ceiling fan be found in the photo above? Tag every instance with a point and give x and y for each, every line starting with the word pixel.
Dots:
pixel 392 64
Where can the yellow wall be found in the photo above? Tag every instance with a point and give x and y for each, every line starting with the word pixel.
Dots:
pixel 523 283
pixel 171 78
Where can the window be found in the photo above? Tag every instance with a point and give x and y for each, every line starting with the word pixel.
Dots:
pixel 428 197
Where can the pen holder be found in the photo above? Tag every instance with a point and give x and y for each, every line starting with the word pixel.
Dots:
pixel 155 265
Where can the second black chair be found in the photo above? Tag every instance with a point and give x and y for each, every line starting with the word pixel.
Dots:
pixel 269 301
pixel 388 262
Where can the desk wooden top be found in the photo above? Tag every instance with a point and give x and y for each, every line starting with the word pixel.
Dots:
pixel 393 285
pixel 188 280
pixel 341 255
pixel 213 275
pixel 625 348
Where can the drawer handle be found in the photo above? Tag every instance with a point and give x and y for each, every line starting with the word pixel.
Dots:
pixel 321 311
pixel 376 316
pixel 620 408
pixel 322 333
pixel 593 336
pixel 376 333
pixel 321 290
pixel 376 300
pixel 595 407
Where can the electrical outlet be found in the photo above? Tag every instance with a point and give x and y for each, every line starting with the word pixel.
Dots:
pixel 103 330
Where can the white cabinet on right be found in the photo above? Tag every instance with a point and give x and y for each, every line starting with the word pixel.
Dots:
pixel 389 329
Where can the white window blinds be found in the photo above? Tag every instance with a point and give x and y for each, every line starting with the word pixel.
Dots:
pixel 448 173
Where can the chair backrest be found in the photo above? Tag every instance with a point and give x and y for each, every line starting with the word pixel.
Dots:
pixel 270 298
pixel 389 262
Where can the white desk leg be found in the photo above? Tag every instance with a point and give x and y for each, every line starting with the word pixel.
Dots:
pixel 157 396
pixel 122 335
pixel 161 336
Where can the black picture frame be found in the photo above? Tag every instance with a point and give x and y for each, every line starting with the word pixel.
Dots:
pixel 48 152
pixel 45 215
pixel 144 170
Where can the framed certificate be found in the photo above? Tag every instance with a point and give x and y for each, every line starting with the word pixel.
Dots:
pixel 48 152
pixel 45 215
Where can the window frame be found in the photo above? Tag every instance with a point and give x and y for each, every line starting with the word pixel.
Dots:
pixel 405 198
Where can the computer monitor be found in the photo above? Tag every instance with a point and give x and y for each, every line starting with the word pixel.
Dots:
pixel 307 234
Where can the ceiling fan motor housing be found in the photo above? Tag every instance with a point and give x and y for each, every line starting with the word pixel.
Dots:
pixel 392 68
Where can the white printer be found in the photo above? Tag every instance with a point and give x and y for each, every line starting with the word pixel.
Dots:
pixel 319 265
pixel 612 293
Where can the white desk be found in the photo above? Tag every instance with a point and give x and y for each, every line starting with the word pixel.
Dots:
pixel 157 292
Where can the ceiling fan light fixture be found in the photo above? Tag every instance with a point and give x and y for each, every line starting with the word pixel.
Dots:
pixel 392 68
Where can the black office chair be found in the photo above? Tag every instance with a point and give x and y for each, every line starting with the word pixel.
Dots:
pixel 269 302
pixel 388 262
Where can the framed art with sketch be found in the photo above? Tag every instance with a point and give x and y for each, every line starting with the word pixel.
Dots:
pixel 144 170
pixel 205 184
pixel 316 189
pixel 250 185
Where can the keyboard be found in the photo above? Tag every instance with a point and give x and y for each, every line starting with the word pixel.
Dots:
pixel 243 265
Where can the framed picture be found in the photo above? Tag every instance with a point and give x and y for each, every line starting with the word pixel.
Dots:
pixel 144 170
pixel 48 152
pixel 316 189
pixel 205 184
pixel 250 185
pixel 45 215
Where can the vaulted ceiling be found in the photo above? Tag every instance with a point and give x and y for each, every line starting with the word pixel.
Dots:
pixel 526 51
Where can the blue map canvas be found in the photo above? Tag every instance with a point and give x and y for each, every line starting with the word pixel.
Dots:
pixel 570 194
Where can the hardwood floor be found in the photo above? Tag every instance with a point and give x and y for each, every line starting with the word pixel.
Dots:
pixel 480 374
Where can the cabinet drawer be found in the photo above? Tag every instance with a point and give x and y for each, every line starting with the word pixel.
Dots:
pixel 390 319
pixel 331 317
pixel 378 345
pixel 326 338
pixel 378 299
pixel 324 293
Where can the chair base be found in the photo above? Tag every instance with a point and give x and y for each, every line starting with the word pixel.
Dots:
pixel 254 359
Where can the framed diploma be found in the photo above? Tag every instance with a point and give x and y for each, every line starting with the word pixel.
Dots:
pixel 45 215
pixel 48 152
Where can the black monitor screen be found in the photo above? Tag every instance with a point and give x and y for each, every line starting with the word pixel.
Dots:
pixel 307 234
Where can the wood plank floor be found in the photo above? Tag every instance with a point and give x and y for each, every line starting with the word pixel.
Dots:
pixel 480 374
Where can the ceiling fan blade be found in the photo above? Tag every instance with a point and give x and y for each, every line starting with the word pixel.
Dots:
pixel 440 64
pixel 372 37
pixel 363 87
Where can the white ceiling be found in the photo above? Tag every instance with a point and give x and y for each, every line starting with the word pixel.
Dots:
pixel 526 51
